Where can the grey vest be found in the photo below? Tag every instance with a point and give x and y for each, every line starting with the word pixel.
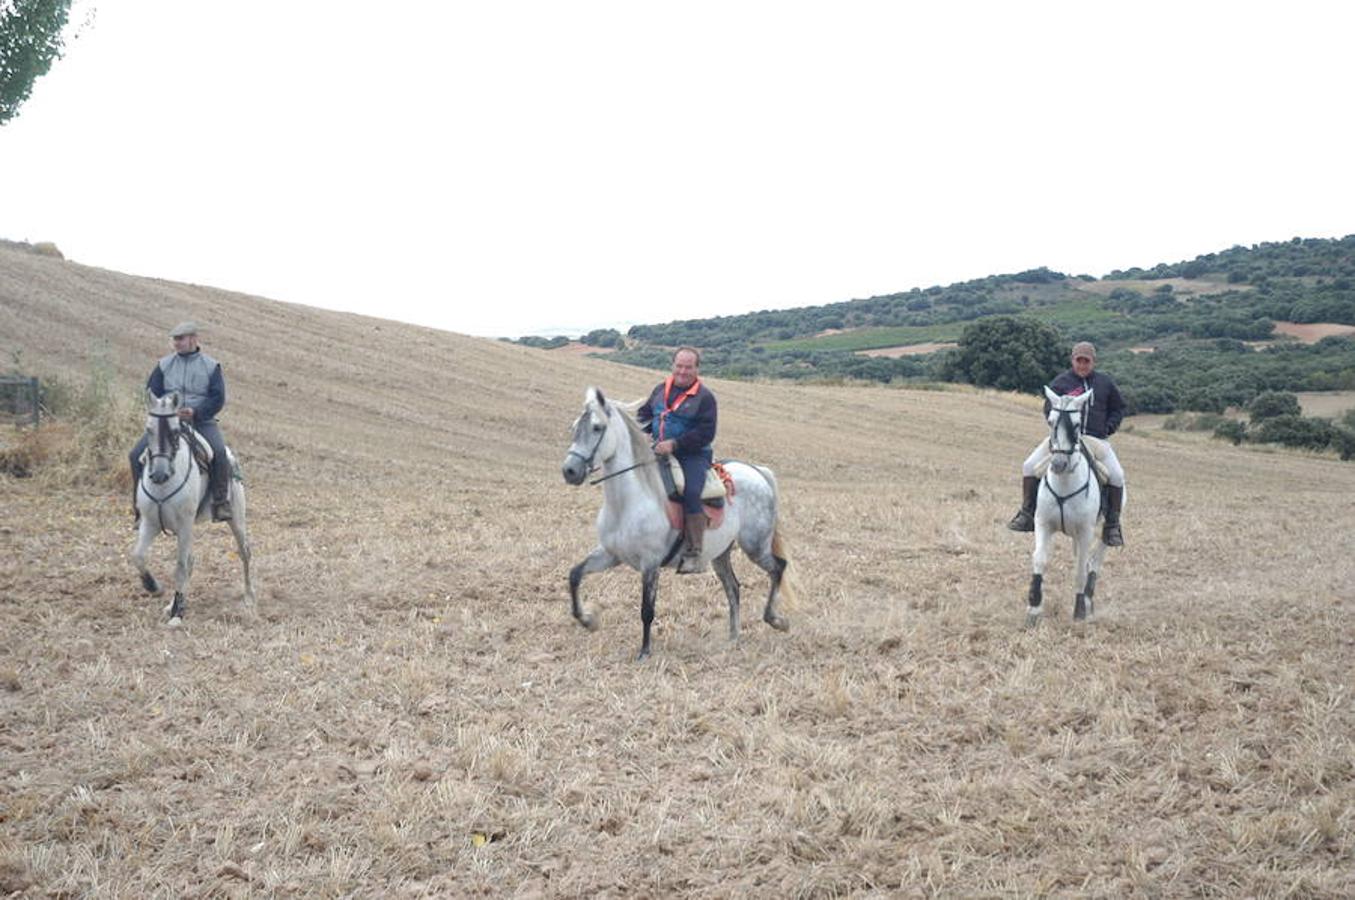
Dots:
pixel 189 375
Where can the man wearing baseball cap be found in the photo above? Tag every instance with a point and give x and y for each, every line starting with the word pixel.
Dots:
pixel 197 377
pixel 1099 420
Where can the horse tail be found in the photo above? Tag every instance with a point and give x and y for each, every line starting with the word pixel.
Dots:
pixel 780 550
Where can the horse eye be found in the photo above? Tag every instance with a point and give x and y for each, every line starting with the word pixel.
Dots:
pixel 597 427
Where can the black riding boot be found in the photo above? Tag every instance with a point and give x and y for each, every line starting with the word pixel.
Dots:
pixel 1024 520
pixel 1110 533
pixel 221 500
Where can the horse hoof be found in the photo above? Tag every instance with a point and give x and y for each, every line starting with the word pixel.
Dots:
pixel 1032 620
pixel 150 584
pixel 590 623
pixel 174 622
pixel 780 623
pixel 642 656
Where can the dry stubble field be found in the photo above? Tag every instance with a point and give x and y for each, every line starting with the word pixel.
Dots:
pixel 414 712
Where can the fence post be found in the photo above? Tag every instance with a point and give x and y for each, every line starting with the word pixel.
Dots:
pixel 33 396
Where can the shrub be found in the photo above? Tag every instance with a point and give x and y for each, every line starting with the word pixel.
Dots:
pixel 1273 403
pixel 1231 430
pixel 1294 431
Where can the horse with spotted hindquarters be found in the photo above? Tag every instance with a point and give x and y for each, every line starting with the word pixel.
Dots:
pixel 1069 501
pixel 172 495
pixel 634 527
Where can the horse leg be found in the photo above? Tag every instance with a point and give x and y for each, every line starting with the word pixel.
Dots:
pixel 769 560
pixel 1082 603
pixel 597 561
pixel 1039 559
pixel 237 523
pixel 182 573
pixel 725 571
pixel 1093 571
pixel 145 534
pixel 650 591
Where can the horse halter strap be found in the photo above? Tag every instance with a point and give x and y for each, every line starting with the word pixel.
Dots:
pixel 187 472
pixel 588 460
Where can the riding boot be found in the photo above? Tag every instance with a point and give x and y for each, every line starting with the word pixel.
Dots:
pixel 694 526
pixel 1024 520
pixel 1110 533
pixel 221 503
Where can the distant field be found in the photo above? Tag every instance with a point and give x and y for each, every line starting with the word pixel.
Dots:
pixel 1327 404
pixel 1180 286
pixel 1072 312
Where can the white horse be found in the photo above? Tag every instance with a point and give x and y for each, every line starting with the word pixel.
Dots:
pixel 634 528
pixel 172 495
pixel 1069 501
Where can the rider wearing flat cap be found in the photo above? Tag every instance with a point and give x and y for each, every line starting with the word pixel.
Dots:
pixel 197 377
pixel 1100 420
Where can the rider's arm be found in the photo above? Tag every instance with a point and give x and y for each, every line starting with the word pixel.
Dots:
pixel 1114 409
pixel 216 397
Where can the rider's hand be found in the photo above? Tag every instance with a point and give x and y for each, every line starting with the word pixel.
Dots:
pixel 665 448
pixel 185 413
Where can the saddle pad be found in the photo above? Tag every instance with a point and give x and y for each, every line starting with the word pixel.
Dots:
pixel 714 488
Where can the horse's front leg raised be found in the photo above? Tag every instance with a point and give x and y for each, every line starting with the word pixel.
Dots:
pixel 1039 559
pixel 650 591
pixel 144 536
pixel 725 570
pixel 597 561
pixel 182 573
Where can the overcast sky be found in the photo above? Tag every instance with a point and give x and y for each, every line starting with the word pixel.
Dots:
pixel 501 168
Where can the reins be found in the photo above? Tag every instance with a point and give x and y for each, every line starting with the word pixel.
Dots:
pixel 1074 432
pixel 187 474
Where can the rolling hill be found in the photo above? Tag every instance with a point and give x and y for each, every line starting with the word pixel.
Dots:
pixel 414 712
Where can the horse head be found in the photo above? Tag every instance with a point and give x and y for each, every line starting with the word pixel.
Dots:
pixel 163 434
pixel 1065 428
pixel 594 442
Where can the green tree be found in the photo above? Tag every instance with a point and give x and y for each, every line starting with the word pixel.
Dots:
pixel 1272 404
pixel 30 41
pixel 1008 353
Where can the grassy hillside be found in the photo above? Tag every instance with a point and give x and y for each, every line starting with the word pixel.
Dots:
pixel 415 713
pixel 1247 299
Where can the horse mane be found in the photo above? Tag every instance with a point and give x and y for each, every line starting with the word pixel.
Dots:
pixel 640 447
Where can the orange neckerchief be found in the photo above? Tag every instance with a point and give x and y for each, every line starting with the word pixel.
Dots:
pixel 673 405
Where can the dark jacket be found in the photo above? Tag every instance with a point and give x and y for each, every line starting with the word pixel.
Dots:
pixel 192 368
pixel 691 423
pixel 1103 417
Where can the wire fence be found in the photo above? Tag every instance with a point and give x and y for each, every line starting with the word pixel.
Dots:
pixel 20 400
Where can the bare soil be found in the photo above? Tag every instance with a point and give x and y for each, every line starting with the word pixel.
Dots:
pixel 908 350
pixel 415 713
pixel 1313 332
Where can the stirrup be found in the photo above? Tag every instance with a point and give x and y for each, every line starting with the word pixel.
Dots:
pixel 691 564
pixel 1022 521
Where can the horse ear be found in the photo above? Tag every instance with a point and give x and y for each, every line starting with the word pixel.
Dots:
pixel 602 401
pixel 1052 397
pixel 1087 397
pixel 175 399
pixel 150 399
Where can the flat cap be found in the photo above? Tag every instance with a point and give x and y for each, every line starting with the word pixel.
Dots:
pixel 1084 348
pixel 189 327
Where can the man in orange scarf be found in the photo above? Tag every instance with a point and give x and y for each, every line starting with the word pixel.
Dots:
pixel 681 415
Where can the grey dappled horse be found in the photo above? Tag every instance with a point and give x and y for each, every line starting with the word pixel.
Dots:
pixel 633 526
pixel 1069 501
pixel 172 495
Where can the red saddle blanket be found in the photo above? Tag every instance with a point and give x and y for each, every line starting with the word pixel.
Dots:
pixel 715 515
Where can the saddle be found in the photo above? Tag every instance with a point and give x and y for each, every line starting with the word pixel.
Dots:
pixel 719 485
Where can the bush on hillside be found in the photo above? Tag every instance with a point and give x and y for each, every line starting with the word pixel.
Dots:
pixel 1008 353
pixel 1294 431
pixel 1270 404
pixel 1231 430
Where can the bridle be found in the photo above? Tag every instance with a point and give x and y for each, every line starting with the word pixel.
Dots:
pixel 163 429
pixel 590 467
pixel 1065 420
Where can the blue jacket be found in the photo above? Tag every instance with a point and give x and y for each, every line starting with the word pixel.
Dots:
pixel 688 420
